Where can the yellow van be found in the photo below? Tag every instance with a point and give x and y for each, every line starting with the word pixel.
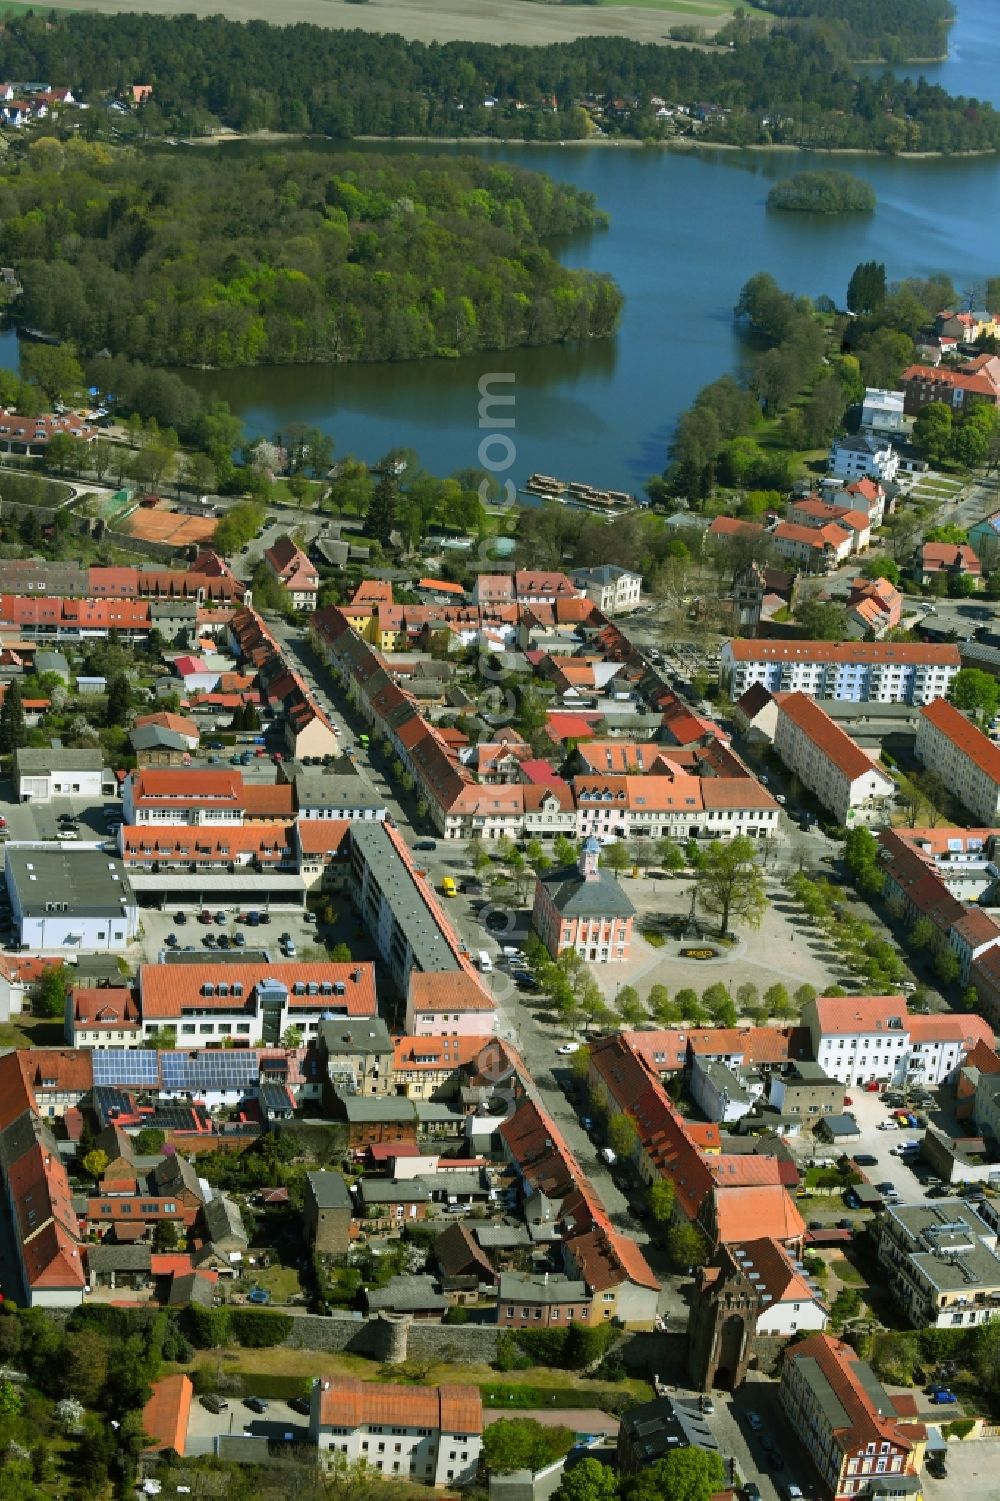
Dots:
pixel 448 887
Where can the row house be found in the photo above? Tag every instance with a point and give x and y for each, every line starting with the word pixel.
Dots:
pixel 965 759
pixel 865 1039
pixel 856 671
pixel 815 549
pixel 847 1422
pixel 961 389
pixel 829 764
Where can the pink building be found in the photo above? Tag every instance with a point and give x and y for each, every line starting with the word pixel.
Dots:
pixel 583 907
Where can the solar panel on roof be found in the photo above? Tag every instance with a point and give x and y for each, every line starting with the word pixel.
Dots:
pixel 191 1072
pixel 127 1067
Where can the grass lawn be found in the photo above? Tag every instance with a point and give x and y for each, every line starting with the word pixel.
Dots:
pixel 845 1271
pixel 32 1032
pixel 282 1282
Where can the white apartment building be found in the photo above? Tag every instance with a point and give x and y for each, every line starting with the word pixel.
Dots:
pixel 858 1039
pixel 882 412
pixel 826 761
pixel 965 759
pixel 680 807
pixel 431 1435
pixel 863 456
pixel 941 1263
pixel 858 671
pixel 614 590
pixel 194 796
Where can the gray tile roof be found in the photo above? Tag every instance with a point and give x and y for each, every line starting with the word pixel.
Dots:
pixel 329 1190
pixel 574 896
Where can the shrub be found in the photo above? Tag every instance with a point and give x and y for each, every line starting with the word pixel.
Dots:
pixel 256 1330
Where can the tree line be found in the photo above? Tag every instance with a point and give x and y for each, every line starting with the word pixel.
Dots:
pixel 292 259
pixel 794 82
pixel 893 31
pixel 823 193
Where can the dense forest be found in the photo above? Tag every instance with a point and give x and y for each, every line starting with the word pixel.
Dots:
pixel 893 30
pixel 293 258
pixel 796 84
pixel 823 193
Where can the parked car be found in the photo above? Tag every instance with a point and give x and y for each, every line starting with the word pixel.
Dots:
pixel 936 1465
pixel 567 1048
pixel 180 918
pixel 171 940
pixel 425 844
pixel 755 1420
pixel 239 940
pixel 886 1188
pixel 220 918
pixel 865 1159
pixel 300 1404
pixel 214 1402
pixel 943 1396
pixel 256 1404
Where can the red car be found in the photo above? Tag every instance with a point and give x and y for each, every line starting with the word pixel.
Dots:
pixel 872 1086
pixel 848 1100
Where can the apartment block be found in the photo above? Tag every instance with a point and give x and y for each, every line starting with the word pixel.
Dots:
pixel 859 671
pixel 941 1263
pixel 827 762
pixel 431 1435
pixel 963 757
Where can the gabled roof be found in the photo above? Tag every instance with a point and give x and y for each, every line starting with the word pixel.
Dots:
pixel 964 735
pixel 165 1416
pixel 755 1213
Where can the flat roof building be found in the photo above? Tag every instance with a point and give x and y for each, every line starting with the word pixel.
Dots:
pixel 70 900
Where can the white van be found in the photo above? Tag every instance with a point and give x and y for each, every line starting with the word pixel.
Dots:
pixel 484 962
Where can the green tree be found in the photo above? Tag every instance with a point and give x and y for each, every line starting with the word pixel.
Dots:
pixel 588 1481
pixel 238 527
pixel 13 730
pixel 119 699
pixel 684 1474
pixel 660 1200
pixel 866 288
pixel 149 1141
pixel 690 1007
pixel 563 849
pixel 54 367
pixel 523 1444
pixel 616 857
pixel 777 1000
pixel 381 519
pixel 622 1135
pixel 730 883
pixel 687 1246
pixel 660 1004
pixel 670 855
pixel 95 1162
pixel 341 954
pixel 976 693
pixel 629 1006
pixel 48 995
pixel 932 432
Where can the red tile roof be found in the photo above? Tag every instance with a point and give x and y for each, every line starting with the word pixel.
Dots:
pixel 347 1402
pixel 872 653
pixel 451 990
pixel 756 1213
pixel 971 742
pixel 168 990
pixel 166 1414
pixel 828 738
pixel 859 1014
pixel 839 1364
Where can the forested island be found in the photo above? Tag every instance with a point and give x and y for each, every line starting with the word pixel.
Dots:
pixel 789 79
pixel 293 258
pixel 822 193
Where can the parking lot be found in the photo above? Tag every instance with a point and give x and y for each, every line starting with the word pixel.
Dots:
pixel 279 1422
pixel 203 938
pixel 910 1180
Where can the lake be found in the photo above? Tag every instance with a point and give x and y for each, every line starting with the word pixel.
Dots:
pixel 687 230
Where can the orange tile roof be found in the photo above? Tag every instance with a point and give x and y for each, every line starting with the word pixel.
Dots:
pixel 205 844
pixel 152 786
pixel 861 1014
pixel 322 836
pixel 59 1068
pixel 175 722
pixel 443 586
pixel 873 653
pixel 347 1402
pixel 755 1213
pixel 451 990
pixel 605 1259
pixel 415 1054
pixel 269 800
pixel 966 1028
pixel 167 990
pixel 165 1416
pixel 972 743
pixel 107 1006
pixel 828 738
pixel 744 1170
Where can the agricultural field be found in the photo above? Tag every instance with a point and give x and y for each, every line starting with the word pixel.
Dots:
pixel 532 22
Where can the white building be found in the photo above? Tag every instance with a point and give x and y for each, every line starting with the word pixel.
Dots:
pixel 722 1093
pixel 827 762
pixel 858 1039
pixel 816 548
pixel 614 590
pixel 430 1435
pixel 860 671
pixel 863 456
pixel 882 412
pixel 941 1263
pixel 963 757
pixel 40 775
pixel 251 1004
pixel 195 796
pixel 67 900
